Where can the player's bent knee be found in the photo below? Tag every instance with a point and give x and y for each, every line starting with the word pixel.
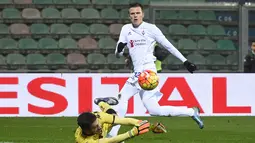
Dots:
pixel 111 111
pixel 157 112
pixel 154 112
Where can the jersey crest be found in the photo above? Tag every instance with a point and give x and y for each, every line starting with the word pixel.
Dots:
pixel 131 43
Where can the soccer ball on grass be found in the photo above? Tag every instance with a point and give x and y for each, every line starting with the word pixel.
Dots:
pixel 148 80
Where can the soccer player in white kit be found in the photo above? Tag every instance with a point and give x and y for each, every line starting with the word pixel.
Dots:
pixel 140 38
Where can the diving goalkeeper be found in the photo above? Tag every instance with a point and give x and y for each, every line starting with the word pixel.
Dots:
pixel 94 126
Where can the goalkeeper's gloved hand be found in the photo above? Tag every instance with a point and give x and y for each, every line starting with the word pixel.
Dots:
pixel 142 128
pixel 158 128
pixel 190 66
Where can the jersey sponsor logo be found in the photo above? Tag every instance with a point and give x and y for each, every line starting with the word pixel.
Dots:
pixel 140 42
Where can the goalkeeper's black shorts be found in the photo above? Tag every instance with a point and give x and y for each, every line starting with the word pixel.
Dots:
pixel 160 53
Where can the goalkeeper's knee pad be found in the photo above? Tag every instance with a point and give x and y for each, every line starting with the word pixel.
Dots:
pixel 158 66
pixel 160 53
pixel 111 111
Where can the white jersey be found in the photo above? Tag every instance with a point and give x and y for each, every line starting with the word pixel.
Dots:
pixel 141 42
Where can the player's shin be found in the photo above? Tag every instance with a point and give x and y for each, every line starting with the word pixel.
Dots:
pixel 125 94
pixel 171 111
pixel 152 105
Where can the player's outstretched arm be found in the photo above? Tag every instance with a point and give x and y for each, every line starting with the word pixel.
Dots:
pixel 160 38
pixel 113 119
pixel 137 130
pixel 126 121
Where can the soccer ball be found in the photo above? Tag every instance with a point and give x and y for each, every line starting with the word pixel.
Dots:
pixel 148 80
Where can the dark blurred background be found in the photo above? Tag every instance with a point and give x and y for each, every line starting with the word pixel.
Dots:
pixel 80 35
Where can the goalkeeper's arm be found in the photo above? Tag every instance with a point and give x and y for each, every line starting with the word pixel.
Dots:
pixel 126 121
pixel 117 139
pixel 140 129
pixel 113 119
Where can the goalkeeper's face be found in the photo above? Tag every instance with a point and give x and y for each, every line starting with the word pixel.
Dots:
pixel 136 15
pixel 89 124
pixel 96 128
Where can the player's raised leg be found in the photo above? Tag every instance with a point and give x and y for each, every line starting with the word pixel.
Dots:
pixel 150 101
pixel 126 93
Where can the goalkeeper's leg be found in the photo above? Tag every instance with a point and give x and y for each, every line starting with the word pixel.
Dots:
pixel 125 94
pixel 104 103
pixel 158 66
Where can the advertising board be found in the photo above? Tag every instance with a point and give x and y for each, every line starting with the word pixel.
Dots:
pixel 52 95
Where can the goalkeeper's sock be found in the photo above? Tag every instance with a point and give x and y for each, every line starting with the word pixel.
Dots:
pixel 170 110
pixel 104 106
pixel 158 65
pixel 114 131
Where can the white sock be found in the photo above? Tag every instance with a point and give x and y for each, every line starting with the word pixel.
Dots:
pixel 152 105
pixel 171 111
pixel 176 111
pixel 114 131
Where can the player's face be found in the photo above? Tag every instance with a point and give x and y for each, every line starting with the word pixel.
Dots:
pixel 253 46
pixel 96 128
pixel 136 15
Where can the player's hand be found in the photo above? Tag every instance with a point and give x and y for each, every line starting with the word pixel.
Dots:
pixel 142 128
pixel 190 66
pixel 128 62
pixel 158 128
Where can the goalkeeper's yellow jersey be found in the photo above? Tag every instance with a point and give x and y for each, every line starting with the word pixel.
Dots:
pixel 105 120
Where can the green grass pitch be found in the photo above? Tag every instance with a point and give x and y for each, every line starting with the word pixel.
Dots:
pixel 180 130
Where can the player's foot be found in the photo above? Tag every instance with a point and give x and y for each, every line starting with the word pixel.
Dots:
pixel 108 100
pixel 197 118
